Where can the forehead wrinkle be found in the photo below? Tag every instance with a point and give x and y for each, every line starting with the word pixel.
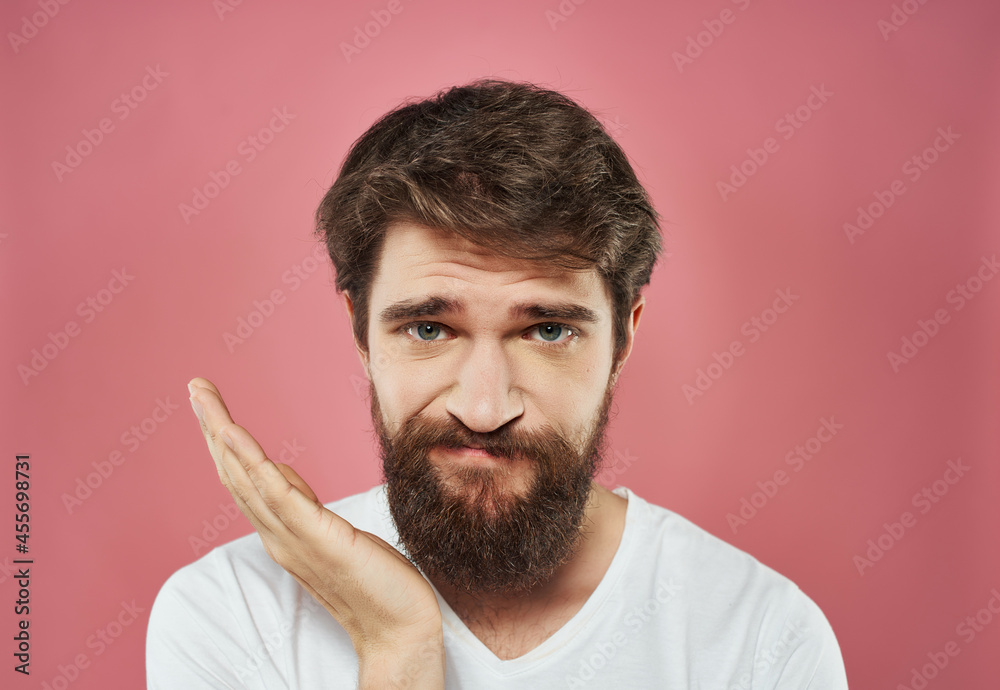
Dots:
pixel 413 246
pixel 562 296
pixel 487 269
pixel 418 263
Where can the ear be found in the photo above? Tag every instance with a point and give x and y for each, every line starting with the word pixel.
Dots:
pixel 357 345
pixel 632 325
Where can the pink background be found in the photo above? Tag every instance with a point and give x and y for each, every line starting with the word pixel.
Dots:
pixel 295 380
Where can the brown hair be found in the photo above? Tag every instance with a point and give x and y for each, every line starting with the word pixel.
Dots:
pixel 523 171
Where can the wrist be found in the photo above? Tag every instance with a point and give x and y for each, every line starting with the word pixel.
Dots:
pixel 413 663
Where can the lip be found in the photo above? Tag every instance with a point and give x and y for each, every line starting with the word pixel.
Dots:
pixel 474 452
pixel 470 454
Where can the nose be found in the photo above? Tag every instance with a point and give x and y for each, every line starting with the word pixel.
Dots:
pixel 484 395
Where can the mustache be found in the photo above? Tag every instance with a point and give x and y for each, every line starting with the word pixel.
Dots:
pixel 506 442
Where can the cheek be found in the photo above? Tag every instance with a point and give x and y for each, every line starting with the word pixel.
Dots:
pixel 569 394
pixel 404 387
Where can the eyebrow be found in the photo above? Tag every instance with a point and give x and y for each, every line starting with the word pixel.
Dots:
pixel 436 305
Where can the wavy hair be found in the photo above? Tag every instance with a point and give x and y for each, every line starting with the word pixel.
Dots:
pixel 521 170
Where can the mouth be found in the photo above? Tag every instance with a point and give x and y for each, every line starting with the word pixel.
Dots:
pixel 477 458
pixel 470 453
pixel 463 469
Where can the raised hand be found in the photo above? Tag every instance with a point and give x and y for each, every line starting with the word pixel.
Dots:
pixel 382 601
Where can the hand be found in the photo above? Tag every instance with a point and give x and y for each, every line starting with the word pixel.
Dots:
pixel 382 601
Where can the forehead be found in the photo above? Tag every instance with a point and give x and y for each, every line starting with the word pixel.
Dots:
pixel 419 262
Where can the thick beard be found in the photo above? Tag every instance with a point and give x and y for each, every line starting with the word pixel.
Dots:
pixel 485 539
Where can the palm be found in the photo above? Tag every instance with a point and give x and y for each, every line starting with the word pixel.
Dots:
pixel 366 584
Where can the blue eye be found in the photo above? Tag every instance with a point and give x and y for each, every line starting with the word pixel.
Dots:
pixel 550 331
pixel 556 334
pixel 427 329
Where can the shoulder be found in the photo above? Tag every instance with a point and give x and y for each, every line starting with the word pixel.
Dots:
pixel 731 599
pixel 702 559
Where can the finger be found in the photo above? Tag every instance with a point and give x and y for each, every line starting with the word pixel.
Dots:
pixel 219 429
pixel 212 415
pixel 200 382
pixel 221 433
pixel 244 467
pixel 265 488
pixel 204 395
pixel 288 511
pixel 198 406
pixel 386 545
pixel 295 480
pixel 241 503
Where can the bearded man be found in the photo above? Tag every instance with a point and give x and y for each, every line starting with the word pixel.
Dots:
pixel 490 244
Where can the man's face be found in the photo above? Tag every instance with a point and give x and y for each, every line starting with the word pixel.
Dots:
pixel 509 357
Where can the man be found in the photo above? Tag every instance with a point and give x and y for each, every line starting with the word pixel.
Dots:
pixel 491 244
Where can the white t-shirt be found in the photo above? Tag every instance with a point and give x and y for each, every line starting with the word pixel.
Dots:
pixel 678 608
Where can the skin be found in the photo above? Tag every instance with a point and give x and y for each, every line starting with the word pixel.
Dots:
pixel 485 368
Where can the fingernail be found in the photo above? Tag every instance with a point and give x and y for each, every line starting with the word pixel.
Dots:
pixel 199 411
pixel 228 439
pixel 191 389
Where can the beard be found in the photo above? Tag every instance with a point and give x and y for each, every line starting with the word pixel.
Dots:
pixel 481 536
